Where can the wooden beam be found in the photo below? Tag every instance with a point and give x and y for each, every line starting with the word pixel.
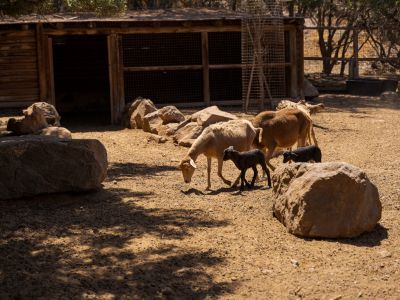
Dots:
pixel 162 68
pixel 200 67
pixel 206 68
pixel 41 66
pixel 151 29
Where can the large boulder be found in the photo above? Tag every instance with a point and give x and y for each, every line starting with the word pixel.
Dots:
pixel 170 114
pixel 211 115
pixel 139 109
pixel 33 165
pixel 328 200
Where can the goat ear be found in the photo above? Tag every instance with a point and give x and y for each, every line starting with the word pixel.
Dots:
pixel 192 163
pixel 294 154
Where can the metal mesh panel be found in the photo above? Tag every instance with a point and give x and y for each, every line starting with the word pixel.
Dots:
pixel 263 53
pixel 164 49
pixel 225 84
pixel 224 47
pixel 165 87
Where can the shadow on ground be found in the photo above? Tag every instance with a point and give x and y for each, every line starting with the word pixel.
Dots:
pixel 90 245
pixel 120 171
pixel 355 104
pixel 368 239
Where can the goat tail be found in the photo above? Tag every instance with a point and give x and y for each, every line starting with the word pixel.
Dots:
pixel 257 138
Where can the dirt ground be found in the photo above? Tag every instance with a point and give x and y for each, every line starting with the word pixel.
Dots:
pixel 140 237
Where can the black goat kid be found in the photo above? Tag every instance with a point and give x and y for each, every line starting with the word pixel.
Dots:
pixel 303 154
pixel 246 160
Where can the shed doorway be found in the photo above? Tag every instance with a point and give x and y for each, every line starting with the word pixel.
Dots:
pixel 81 79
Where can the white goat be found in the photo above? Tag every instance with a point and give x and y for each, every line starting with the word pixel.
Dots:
pixel 213 141
pixel 309 109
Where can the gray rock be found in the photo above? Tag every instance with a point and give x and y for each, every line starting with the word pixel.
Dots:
pixel 186 135
pixel 152 122
pixel 33 165
pixel 310 91
pixel 390 96
pixel 60 132
pixel 211 115
pixel 50 113
pixel 329 200
pixel 138 110
pixel 33 121
pixel 170 114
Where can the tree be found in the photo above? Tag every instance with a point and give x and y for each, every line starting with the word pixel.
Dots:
pixel 381 21
pixel 327 15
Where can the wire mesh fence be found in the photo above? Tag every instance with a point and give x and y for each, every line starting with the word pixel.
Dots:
pixel 263 53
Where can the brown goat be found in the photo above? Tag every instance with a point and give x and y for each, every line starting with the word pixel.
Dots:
pixel 281 129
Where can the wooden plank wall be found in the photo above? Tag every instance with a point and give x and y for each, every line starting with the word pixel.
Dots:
pixel 19 84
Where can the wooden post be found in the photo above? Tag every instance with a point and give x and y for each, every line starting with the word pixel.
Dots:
pixel 300 59
pixel 206 68
pixel 41 66
pixel 121 85
pixel 293 64
pixel 114 73
pixel 51 98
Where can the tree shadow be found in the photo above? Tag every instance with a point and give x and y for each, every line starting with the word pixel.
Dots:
pixel 355 104
pixel 90 245
pixel 120 171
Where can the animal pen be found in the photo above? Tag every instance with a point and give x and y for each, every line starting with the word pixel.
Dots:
pixel 187 57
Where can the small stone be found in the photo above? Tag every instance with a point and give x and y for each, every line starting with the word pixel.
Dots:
pixel 115 182
pixel 295 263
pixel 233 278
pixel 360 294
pixel 385 254
pixel 336 297
pixel 266 271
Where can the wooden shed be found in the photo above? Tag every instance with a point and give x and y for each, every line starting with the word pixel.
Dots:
pixel 189 57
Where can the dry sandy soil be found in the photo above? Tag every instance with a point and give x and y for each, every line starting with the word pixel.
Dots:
pixel 140 237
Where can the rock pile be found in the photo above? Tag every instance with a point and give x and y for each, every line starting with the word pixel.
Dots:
pixel 169 122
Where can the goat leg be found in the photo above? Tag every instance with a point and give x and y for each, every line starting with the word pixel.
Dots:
pixel 265 169
pixel 236 181
pixel 220 163
pixel 254 176
pixel 243 179
pixel 208 173
pixel 268 157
